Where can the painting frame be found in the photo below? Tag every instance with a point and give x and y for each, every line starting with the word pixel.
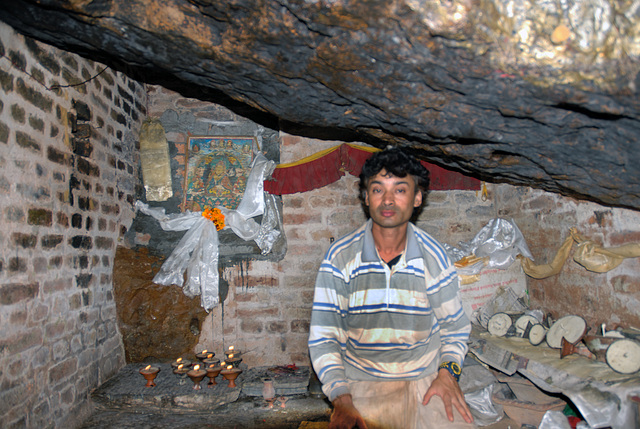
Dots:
pixel 216 170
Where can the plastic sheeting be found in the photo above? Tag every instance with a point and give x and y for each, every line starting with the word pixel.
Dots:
pixel 197 252
pixel 500 240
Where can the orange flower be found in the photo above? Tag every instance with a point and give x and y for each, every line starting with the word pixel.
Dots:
pixel 215 216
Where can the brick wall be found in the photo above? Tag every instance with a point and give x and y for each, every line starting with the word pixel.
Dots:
pixel 68 176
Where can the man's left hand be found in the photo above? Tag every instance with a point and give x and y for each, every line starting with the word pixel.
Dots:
pixel 446 387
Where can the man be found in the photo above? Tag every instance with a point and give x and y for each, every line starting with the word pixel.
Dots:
pixel 388 333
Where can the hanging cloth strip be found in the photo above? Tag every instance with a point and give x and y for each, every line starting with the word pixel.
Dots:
pixel 328 166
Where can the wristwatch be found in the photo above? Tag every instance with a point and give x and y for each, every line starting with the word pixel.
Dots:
pixel 453 368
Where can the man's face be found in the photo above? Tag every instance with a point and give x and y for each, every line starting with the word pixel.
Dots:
pixel 391 199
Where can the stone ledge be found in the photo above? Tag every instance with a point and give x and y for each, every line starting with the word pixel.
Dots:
pixel 127 389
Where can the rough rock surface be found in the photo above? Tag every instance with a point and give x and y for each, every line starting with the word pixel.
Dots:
pixel 157 323
pixel 528 94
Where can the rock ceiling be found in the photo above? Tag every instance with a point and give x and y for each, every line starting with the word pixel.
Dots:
pixel 535 93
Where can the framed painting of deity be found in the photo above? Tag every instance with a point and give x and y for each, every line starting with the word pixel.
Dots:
pixel 217 169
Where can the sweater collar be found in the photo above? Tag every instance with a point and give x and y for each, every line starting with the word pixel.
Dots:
pixel 369 253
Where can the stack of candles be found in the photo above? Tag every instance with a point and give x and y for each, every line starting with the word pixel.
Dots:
pixel 210 360
pixel 233 357
pixel 180 361
pixel 203 355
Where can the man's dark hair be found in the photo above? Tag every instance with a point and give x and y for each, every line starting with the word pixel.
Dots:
pixel 399 163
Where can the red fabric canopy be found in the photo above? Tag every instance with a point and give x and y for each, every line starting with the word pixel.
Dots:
pixel 329 166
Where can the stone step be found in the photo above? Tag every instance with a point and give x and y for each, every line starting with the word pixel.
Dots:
pixel 127 390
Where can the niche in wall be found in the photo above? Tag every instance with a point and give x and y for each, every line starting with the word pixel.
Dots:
pixel 202 121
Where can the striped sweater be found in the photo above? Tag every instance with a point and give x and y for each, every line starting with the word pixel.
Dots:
pixel 370 322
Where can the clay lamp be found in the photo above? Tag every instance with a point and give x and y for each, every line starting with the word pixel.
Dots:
pixel 149 373
pixel 230 374
pixel 196 375
pixel 212 373
pixel 181 371
pixel 184 362
pixel 233 360
pixel 210 360
pixel 203 355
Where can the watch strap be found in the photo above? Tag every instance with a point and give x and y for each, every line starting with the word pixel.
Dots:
pixel 453 368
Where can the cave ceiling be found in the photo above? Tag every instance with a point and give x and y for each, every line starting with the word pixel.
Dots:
pixel 532 93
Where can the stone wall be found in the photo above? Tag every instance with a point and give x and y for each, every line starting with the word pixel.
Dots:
pixel 68 177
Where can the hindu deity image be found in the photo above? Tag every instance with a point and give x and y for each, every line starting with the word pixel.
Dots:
pixel 217 171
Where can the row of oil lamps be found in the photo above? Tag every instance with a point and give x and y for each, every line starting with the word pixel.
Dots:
pixel 209 366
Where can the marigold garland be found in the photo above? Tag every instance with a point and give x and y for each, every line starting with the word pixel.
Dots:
pixel 215 216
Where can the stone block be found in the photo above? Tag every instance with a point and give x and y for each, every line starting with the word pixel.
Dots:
pixel 62 219
pixel 42 217
pixel 278 327
pixel 25 141
pixel 63 370
pixel 26 241
pixel 81 242
pixel 17 265
pixel 34 96
pixel 88 168
pixel 82 109
pixel 301 326
pixel 17 113
pixel 21 341
pixel 251 326
pixel 44 58
pixel 36 123
pixel 14 214
pixel 59 157
pixel 6 81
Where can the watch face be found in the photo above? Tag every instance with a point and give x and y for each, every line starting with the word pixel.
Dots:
pixel 572 328
pixel 499 324
pixel 624 356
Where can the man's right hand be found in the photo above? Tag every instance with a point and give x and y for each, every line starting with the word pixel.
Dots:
pixel 345 415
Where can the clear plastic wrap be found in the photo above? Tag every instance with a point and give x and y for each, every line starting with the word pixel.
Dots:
pixel 484 411
pixel 554 420
pixel 500 240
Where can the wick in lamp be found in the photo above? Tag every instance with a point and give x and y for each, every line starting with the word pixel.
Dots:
pixel 230 374
pixel 149 373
